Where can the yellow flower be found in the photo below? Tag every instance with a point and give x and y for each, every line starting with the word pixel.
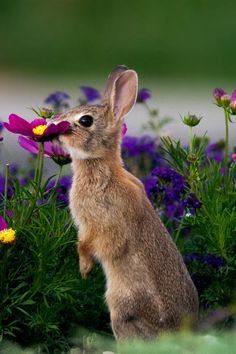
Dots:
pixel 39 130
pixel 7 236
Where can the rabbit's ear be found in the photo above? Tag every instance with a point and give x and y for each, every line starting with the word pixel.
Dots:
pixel 111 79
pixel 124 93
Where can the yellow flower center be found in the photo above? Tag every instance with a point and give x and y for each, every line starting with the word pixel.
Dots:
pixel 7 236
pixel 39 130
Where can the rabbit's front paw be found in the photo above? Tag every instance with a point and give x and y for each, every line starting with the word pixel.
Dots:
pixel 86 265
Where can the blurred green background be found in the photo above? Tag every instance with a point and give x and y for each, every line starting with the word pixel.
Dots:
pixel 181 39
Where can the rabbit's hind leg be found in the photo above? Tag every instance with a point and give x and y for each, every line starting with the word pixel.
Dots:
pixel 129 326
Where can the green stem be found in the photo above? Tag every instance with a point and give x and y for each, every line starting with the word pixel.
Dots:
pixel 226 140
pixel 37 180
pixel 190 131
pixel 41 165
pixel 37 166
pixel 5 190
pixel 191 151
pixel 195 191
pixel 53 189
pixel 176 237
pixel 58 176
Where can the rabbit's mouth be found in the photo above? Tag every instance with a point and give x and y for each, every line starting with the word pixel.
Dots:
pixel 69 131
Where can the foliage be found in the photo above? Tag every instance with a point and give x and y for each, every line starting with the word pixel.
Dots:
pixel 43 297
pixel 185 342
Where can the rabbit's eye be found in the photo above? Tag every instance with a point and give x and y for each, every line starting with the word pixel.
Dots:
pixel 86 121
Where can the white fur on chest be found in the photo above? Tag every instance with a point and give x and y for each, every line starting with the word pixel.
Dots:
pixel 78 154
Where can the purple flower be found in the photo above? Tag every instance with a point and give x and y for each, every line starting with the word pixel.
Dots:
pixel 174 193
pixel 233 157
pixel 50 150
pixel 150 185
pixel 214 261
pixel 233 96
pixel 221 97
pixel 38 129
pixel 214 151
pixel 57 99
pixel 24 181
pixel 65 183
pixel 210 259
pixel 135 146
pixel 10 189
pixel 193 202
pixel 90 93
pixel 3 224
pixel 169 175
pixel 62 189
pixel 232 104
pixel 123 129
pixel 218 93
pixel 13 169
pixel 143 95
pixel 1 128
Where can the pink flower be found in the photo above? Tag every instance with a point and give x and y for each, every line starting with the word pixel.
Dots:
pixel 37 129
pixel 234 157
pixel 52 151
pixel 123 129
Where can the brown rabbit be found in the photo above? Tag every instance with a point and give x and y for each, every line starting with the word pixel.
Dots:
pixel 149 289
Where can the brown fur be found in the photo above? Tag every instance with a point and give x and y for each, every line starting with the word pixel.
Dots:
pixel 149 289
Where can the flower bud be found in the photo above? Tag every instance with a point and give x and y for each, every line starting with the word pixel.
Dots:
pixel 232 107
pixel 192 157
pixel 191 120
pixel 221 97
pixel 153 112
pixel 218 93
pixel 224 101
pixel 46 113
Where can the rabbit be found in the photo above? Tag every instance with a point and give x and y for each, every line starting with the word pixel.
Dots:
pixel 148 288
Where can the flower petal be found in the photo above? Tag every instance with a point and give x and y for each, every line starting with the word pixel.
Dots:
pixel 51 130
pixel 33 147
pixel 48 149
pixel 63 127
pixel 18 125
pixel 3 224
pixel 38 121
pixel 56 129
pixel 28 144
pixel 143 95
pixel 124 129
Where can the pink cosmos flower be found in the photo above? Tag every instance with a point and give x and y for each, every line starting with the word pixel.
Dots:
pixel 37 130
pixel 124 129
pixel 59 155
pixel 234 157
